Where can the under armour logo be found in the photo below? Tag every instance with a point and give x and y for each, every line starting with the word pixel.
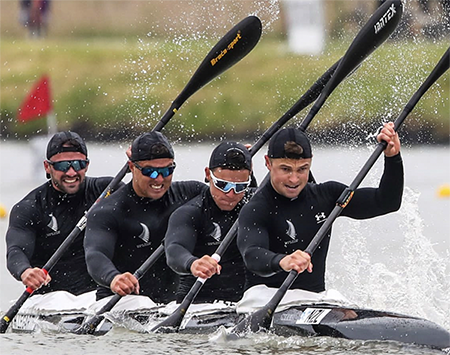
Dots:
pixel 320 217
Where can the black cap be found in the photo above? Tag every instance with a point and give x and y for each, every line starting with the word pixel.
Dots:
pixel 149 146
pixel 280 140
pixel 57 142
pixel 231 155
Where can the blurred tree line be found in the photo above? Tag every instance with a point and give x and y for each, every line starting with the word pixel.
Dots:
pixel 104 48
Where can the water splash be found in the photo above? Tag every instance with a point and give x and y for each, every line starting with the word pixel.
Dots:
pixel 405 275
pixel 427 284
pixel 190 33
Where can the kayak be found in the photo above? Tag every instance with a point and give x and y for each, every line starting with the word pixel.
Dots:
pixel 51 311
pixel 301 313
pixel 359 324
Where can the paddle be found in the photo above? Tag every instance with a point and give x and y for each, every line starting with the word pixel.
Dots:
pixel 89 326
pixel 175 319
pixel 369 38
pixel 263 317
pixel 234 46
pixel 365 42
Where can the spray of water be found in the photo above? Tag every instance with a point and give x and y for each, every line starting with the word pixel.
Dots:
pixel 190 33
pixel 405 275
pixel 426 281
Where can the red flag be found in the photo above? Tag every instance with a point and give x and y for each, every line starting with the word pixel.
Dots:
pixel 38 103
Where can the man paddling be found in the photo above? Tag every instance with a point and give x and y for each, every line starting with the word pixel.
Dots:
pixel 41 221
pixel 197 228
pixel 127 227
pixel 281 219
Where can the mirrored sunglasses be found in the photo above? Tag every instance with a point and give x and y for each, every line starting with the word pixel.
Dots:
pixel 65 165
pixel 153 173
pixel 226 186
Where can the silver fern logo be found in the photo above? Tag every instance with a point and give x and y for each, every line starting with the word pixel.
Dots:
pixel 145 234
pixel 53 224
pixel 217 233
pixel 291 233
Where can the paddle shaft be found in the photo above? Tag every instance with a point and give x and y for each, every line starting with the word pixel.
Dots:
pixel 81 225
pixel 381 24
pixel 307 98
pixel 89 326
pixel 323 87
pixel 347 194
pixel 235 45
pixel 313 92
pixel 345 197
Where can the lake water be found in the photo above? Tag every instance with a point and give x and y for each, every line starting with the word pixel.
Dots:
pixel 398 262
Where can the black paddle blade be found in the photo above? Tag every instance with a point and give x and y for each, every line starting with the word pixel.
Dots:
pixel 89 326
pixel 4 324
pixel 12 312
pixel 234 46
pixel 260 320
pixel 379 27
pixel 173 322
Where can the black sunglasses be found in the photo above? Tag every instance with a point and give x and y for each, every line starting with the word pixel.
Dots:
pixel 65 165
pixel 153 173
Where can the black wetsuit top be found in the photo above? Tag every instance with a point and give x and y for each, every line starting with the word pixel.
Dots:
pixel 40 222
pixel 125 229
pixel 272 226
pixel 197 229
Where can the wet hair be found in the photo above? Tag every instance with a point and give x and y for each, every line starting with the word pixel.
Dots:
pixel 289 143
pixel 293 150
